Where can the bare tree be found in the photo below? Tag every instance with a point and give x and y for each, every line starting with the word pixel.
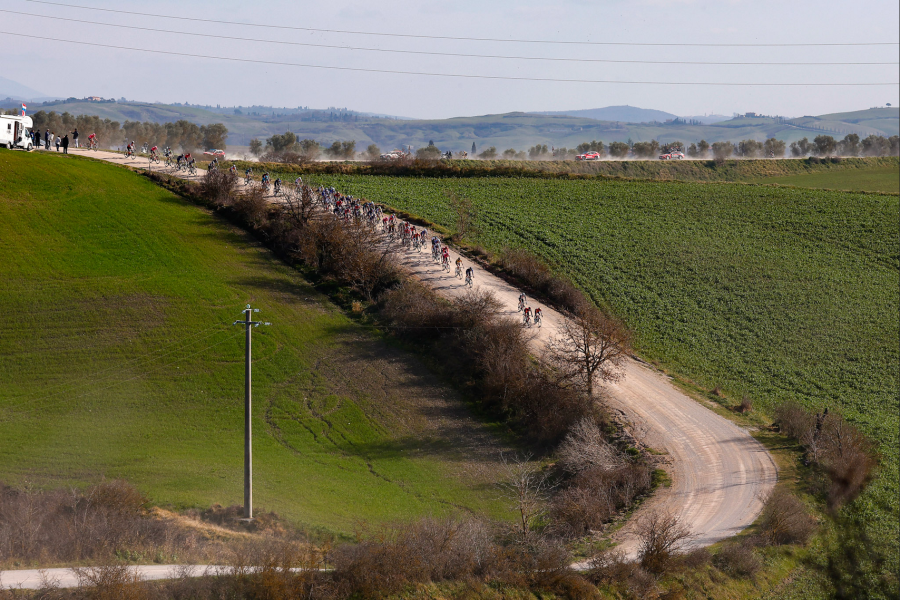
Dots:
pixel 528 489
pixel 591 346
pixel 298 206
pixel 662 536
pixel 465 214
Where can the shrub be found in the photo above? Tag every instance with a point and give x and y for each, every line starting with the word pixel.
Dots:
pixel 785 520
pixel 662 537
pixel 738 560
pixel 537 275
pixel 793 420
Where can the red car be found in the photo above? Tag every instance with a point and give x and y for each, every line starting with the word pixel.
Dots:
pixel 588 156
pixel 216 153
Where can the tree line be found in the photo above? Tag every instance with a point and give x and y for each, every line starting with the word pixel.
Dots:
pixel 288 147
pixel 182 134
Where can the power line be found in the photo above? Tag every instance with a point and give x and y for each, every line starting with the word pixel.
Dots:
pixel 423 73
pixel 458 38
pixel 427 53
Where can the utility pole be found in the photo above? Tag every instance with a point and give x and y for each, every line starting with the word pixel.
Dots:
pixel 248 446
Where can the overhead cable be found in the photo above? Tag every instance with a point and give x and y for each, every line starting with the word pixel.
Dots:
pixel 457 38
pixel 428 53
pixel 432 74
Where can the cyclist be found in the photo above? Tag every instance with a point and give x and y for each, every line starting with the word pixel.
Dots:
pixel 153 153
pixel 129 149
pixel 470 276
pixel 459 267
pixel 233 169
pixel 298 183
pixel 526 317
pixel 248 176
pixel 277 185
pixel 538 315
pixel 521 301
pixel 265 180
pixel 92 140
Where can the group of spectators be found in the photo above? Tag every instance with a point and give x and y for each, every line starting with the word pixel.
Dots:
pixel 51 138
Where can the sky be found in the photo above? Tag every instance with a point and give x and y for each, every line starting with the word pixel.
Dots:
pixel 59 68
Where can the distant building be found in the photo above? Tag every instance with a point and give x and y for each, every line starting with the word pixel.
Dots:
pixel 94 99
pixel 750 114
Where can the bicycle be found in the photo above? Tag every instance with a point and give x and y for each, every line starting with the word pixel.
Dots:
pixel 526 320
pixel 248 177
pixel 445 263
pixel 192 170
pixel 91 145
pixel 469 279
pixel 459 271
pixel 154 157
pixel 521 302
pixel 538 319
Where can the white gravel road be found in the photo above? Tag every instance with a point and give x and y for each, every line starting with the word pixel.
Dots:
pixel 719 472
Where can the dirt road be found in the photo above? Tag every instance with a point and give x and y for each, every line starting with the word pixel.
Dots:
pixel 718 470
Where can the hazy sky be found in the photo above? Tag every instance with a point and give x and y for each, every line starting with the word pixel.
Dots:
pixel 62 69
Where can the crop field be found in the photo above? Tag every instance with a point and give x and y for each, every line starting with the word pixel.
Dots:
pixel 118 359
pixel 875 179
pixel 779 293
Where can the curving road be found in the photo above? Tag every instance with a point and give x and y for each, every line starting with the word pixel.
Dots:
pixel 719 472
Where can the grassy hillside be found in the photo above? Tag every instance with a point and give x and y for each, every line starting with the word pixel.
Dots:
pixel 779 293
pixel 119 359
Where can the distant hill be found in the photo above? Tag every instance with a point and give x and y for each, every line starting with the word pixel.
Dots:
pixel 706 119
pixel 517 130
pixel 624 114
pixel 16 91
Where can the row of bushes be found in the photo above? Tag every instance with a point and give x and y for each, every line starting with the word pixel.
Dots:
pixel 842 452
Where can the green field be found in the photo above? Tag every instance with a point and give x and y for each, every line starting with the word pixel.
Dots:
pixel 118 358
pixel 780 293
pixel 876 179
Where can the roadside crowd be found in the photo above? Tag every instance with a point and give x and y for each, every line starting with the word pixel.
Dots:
pixel 50 138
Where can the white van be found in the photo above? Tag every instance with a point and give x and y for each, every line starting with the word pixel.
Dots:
pixel 15 132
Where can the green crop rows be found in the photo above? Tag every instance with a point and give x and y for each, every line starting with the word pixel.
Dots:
pixel 777 293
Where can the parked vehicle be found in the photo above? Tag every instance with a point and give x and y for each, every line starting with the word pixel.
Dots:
pixel 588 156
pixel 15 132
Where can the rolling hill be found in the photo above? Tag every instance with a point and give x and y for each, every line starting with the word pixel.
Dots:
pixel 517 130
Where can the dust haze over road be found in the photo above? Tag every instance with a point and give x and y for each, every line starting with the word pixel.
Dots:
pixel 719 472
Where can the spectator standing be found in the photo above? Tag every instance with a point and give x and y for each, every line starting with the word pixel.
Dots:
pixel 58 142
pixel 48 138
pixel 75 137
pixel 65 144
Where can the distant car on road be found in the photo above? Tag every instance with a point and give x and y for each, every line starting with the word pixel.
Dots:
pixel 672 156
pixel 588 156
pixel 393 155
pixel 215 153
